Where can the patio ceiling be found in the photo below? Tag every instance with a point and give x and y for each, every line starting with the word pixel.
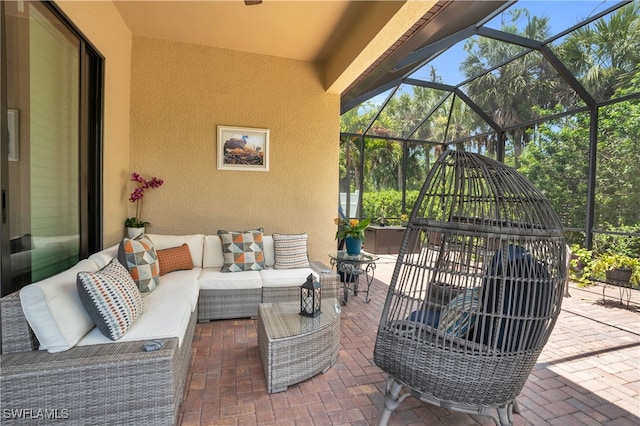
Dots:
pixel 354 43
pixel 298 30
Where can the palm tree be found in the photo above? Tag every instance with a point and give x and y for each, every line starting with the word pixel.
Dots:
pixel 604 54
pixel 507 93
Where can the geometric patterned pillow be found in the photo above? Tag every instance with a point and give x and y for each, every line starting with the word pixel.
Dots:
pixel 242 251
pixel 139 256
pixel 111 298
pixel 175 259
pixel 459 315
pixel 290 251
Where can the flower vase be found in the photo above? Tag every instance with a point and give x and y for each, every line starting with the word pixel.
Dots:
pixel 134 232
pixel 354 245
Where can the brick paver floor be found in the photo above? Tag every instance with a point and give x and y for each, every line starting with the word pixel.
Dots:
pixel 588 373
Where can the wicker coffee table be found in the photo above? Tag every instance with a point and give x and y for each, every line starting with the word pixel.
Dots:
pixel 294 348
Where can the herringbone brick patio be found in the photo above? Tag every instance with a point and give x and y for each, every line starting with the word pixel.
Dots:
pixel 588 374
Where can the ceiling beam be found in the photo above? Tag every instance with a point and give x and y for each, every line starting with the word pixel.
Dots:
pixel 371 37
pixel 451 18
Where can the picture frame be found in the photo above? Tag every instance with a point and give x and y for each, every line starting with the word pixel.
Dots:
pixel 243 149
pixel 13 138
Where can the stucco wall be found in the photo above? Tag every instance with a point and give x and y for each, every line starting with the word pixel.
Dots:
pixel 102 25
pixel 181 92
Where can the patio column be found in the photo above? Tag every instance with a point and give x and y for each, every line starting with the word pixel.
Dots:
pixel 591 184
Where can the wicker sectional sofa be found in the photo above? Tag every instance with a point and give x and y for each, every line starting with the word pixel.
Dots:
pixel 82 377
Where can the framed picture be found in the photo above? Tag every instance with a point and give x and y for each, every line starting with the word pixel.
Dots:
pixel 243 148
pixel 13 125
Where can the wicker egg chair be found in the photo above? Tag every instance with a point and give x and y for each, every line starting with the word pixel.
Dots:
pixel 475 292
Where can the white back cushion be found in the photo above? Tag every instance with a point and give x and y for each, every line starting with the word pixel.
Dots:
pixel 54 310
pixel 269 252
pixel 103 257
pixel 212 256
pixel 194 241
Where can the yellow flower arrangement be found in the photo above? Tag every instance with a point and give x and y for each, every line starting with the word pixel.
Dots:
pixel 351 228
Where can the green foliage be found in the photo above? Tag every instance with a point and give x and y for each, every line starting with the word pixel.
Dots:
pixel 611 250
pixel 627 245
pixel 557 161
pixel 353 228
pixel 609 261
pixel 387 205
pixel 132 222
pixel 580 264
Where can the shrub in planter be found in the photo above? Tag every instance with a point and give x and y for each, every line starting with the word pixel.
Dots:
pixel 612 261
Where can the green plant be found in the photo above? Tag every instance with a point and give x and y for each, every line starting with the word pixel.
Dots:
pixel 351 228
pixel 382 216
pixel 580 264
pixel 137 196
pixel 620 239
pixel 387 204
pixel 610 261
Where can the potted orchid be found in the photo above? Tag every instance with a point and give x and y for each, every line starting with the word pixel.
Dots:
pixel 137 196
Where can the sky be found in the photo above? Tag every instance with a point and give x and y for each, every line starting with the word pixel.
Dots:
pixel 561 14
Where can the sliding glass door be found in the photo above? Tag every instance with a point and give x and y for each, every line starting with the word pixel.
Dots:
pixel 51 78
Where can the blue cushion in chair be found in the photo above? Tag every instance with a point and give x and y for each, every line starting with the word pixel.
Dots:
pixel 457 318
pixel 426 316
pixel 525 289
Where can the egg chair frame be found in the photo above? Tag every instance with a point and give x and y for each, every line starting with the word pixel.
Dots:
pixel 476 289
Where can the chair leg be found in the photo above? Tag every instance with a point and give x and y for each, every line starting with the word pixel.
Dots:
pixel 392 400
pixel 504 414
pixel 516 406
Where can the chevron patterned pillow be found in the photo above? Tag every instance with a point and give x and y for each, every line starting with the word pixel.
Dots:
pixel 242 251
pixel 139 256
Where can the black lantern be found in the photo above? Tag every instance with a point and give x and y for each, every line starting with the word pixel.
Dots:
pixel 310 297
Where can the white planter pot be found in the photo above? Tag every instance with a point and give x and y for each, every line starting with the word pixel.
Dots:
pixel 134 232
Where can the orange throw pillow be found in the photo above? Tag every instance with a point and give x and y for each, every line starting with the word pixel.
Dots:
pixel 175 259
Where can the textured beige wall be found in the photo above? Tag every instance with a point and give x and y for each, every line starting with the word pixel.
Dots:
pixel 101 23
pixel 181 92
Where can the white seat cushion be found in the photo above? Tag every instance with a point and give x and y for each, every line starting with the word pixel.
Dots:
pixel 183 282
pixel 54 310
pixel 285 277
pixel 164 317
pixel 213 279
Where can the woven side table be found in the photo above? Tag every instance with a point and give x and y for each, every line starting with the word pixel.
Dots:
pixel 294 348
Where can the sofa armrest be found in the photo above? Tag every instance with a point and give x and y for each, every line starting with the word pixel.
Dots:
pixel 17 336
pixel 329 280
pixel 98 384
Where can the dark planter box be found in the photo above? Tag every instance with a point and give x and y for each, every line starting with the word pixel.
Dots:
pixel 620 275
pixel 383 239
